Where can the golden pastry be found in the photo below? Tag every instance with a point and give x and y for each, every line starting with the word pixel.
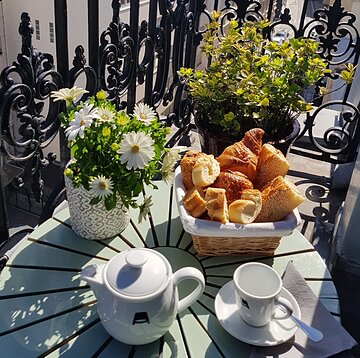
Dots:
pixel 205 171
pixel 234 183
pixel 186 164
pixel 216 204
pixel 279 198
pixel 243 156
pixel 246 209
pixel 194 201
pixel 271 164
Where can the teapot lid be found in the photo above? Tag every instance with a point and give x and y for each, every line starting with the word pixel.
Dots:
pixel 137 272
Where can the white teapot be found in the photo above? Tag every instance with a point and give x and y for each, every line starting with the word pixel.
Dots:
pixel 137 294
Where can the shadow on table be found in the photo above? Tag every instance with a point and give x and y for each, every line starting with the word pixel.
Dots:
pixel 43 298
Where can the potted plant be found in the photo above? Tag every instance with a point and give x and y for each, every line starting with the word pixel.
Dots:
pixel 114 155
pixel 253 82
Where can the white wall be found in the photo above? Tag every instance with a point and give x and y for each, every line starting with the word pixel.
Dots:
pixel 348 233
pixel 3 52
pixel 38 10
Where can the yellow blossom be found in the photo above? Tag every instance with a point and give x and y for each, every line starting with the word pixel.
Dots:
pixel 114 147
pixel 122 118
pixel 106 131
pixel 101 95
pixel 68 172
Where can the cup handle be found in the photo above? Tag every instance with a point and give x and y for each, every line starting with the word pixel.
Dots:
pixel 285 306
pixel 193 274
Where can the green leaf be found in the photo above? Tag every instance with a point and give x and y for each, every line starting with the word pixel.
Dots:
pixel 95 200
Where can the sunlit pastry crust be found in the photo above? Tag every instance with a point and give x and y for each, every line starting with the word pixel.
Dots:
pixel 246 209
pixel 234 183
pixel 279 198
pixel 205 171
pixel 271 164
pixel 243 156
pixel 194 201
pixel 216 204
pixel 187 163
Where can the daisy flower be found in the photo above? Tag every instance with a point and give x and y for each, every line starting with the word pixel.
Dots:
pixel 69 95
pixel 83 119
pixel 144 113
pixel 101 187
pixel 105 115
pixel 169 161
pixel 137 150
pixel 144 209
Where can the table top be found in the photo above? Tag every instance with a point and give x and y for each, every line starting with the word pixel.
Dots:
pixel 47 310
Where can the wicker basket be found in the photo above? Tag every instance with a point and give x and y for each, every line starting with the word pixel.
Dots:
pixel 225 246
pixel 212 238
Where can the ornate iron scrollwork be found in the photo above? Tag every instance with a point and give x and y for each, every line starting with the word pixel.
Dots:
pixel 330 26
pixel 29 120
pixel 79 68
pixel 243 10
pixel 117 58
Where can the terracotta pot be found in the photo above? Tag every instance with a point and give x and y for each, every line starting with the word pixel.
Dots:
pixel 213 140
pixel 94 222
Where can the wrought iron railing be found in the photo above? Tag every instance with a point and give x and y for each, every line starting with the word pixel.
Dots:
pixel 150 53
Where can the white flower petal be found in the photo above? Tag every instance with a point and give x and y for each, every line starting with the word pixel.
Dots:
pixel 136 150
pixel 144 113
pixel 101 187
pixel 69 95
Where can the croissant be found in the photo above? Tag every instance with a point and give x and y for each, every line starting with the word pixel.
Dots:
pixel 234 183
pixel 243 156
pixel 279 198
pixel 187 163
pixel 271 164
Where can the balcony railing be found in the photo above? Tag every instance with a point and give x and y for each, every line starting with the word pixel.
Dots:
pixel 149 53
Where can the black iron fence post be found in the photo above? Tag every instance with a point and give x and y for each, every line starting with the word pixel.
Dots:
pixel 93 34
pixel 4 221
pixel 62 60
pixel 134 31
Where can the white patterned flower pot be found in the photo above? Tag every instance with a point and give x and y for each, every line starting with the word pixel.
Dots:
pixel 94 222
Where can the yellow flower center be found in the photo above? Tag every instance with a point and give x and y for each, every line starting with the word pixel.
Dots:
pixel 142 115
pixel 82 122
pixel 105 117
pixel 102 185
pixel 135 149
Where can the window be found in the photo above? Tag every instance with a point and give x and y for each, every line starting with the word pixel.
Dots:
pixel 37 29
pixel 51 32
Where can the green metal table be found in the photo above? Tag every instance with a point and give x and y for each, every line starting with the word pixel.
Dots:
pixel 47 310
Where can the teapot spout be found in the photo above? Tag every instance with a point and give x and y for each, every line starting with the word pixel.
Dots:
pixel 93 276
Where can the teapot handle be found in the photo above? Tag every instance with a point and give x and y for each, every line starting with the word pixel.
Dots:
pixel 193 274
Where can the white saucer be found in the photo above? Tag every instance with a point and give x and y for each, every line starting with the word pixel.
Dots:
pixel 276 332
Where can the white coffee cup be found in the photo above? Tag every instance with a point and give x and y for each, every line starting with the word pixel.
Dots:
pixel 257 289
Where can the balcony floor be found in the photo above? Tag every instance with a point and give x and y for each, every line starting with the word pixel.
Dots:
pixel 315 180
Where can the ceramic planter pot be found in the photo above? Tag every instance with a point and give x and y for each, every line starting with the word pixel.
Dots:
pixel 94 222
pixel 290 134
pixel 213 140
